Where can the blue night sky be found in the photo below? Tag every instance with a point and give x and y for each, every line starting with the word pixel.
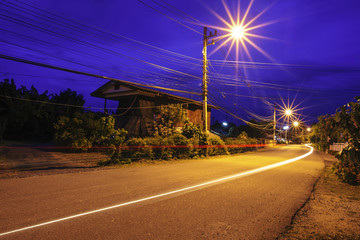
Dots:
pixel 311 57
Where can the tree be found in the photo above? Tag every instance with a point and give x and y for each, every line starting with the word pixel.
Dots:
pixel 26 114
pixel 348 120
pixel 25 111
pixel 72 102
pixel 7 89
pixel 343 126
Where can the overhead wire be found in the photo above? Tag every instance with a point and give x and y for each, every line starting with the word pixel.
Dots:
pixel 85 28
pixel 163 69
pixel 215 61
pixel 88 74
pixel 169 17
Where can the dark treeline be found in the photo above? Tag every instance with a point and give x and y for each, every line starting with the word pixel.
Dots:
pixel 26 114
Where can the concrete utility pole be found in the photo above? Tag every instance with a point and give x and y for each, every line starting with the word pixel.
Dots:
pixel 274 138
pixel 205 91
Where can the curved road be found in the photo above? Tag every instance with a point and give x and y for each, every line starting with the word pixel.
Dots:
pixel 246 206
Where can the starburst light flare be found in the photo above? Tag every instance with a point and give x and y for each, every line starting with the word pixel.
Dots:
pixel 238 30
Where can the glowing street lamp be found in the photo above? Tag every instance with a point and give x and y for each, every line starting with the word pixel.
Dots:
pixel 308 129
pixel 296 124
pixel 288 112
pixel 237 32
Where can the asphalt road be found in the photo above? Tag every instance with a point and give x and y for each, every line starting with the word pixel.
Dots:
pixel 247 206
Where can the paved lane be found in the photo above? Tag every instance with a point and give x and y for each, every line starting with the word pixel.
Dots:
pixel 253 207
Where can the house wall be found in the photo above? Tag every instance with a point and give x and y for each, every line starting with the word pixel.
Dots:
pixel 195 116
pixel 136 114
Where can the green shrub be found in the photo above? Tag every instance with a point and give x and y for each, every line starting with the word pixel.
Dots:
pixel 137 149
pixel 242 139
pixel 217 150
pixel 168 118
pixel 194 150
pixel 115 159
pixel 86 130
pixel 161 149
pixel 347 168
pixel 182 148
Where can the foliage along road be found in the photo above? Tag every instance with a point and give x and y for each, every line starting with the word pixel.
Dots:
pixel 248 206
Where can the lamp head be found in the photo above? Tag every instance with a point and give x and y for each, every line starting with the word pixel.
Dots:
pixel 288 112
pixel 237 32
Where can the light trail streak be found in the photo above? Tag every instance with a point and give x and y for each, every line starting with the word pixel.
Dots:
pixel 205 184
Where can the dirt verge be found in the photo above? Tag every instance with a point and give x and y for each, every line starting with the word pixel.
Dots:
pixel 332 211
pixel 27 162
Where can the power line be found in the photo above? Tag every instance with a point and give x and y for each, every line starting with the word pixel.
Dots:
pixel 90 74
pixel 169 17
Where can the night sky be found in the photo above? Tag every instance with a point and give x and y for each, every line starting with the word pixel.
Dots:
pixel 311 50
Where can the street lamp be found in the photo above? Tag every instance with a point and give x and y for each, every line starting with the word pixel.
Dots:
pixel 237 32
pixel 288 113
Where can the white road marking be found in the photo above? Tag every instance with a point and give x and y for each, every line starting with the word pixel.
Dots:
pixel 243 174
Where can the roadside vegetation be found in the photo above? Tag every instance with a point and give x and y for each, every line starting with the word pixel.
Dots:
pixel 175 137
pixel 29 116
pixel 341 127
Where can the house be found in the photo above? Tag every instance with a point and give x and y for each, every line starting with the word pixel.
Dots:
pixel 136 108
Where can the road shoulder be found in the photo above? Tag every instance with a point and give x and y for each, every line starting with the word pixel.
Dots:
pixel 331 212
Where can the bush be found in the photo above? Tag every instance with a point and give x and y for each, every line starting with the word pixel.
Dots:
pixel 137 149
pixel 191 130
pixel 74 132
pixel 217 150
pixel 115 158
pixel 182 148
pixel 168 118
pixel 162 149
pixel 194 150
pixel 86 130
pixel 242 139
pixel 347 168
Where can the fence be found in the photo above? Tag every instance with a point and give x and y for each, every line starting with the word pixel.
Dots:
pixel 338 146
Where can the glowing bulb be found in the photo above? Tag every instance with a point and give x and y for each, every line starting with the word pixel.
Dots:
pixel 296 123
pixel 237 32
pixel 288 112
pixel 308 129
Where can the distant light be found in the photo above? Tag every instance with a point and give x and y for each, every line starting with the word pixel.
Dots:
pixel 225 124
pixel 286 127
pixel 308 129
pixel 296 123
pixel 288 112
pixel 237 32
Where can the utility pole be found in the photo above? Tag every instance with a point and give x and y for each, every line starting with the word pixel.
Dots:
pixel 286 133
pixel 205 91
pixel 274 138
